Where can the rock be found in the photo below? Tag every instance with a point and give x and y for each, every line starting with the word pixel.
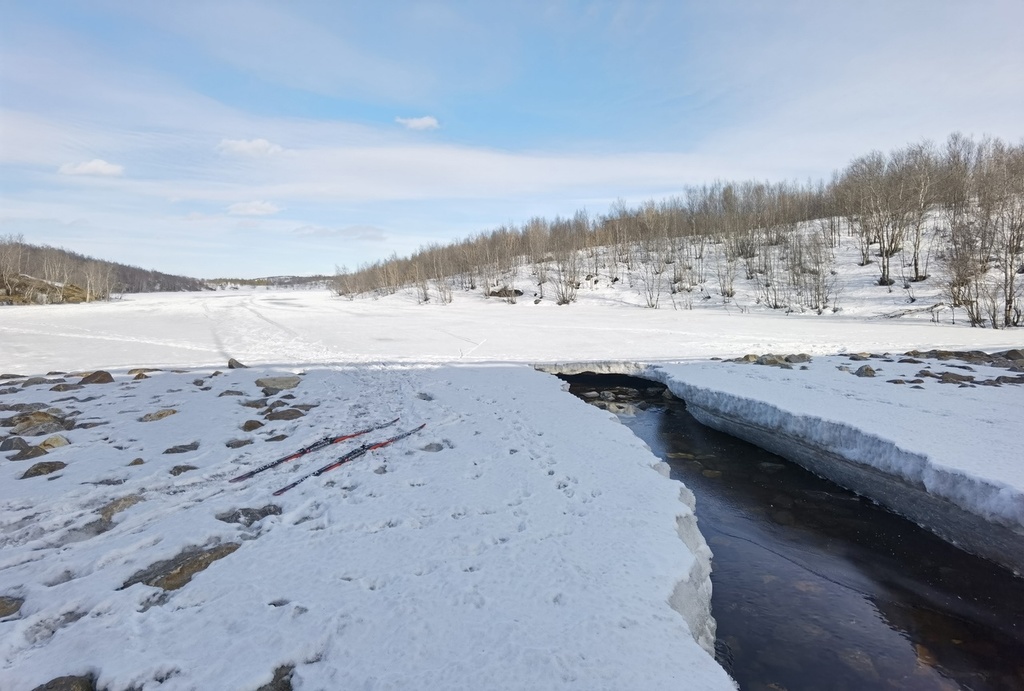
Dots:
pixel 27 454
pixel 119 505
pixel 248 516
pixel 1014 354
pixel 54 442
pixel 286 414
pixel 141 370
pixel 137 461
pixel 13 444
pixel 255 403
pixel 176 572
pixel 769 359
pixel 231 392
pixel 251 425
pixel 282 680
pixel 97 377
pixel 183 448
pixel 36 423
pixel 36 381
pixel 66 387
pixel 179 469
pixel 506 293
pixel 954 378
pixel 798 358
pixel 12 376
pixel 624 409
pixel 749 357
pixel 140 376
pixel 43 468
pixel 278 437
pixel 235 364
pixel 911 361
pixel 238 443
pixel 158 415
pixel 10 605
pixel 865 371
pixel 274 406
pixel 69 683
pixel 279 383
pixel 895 381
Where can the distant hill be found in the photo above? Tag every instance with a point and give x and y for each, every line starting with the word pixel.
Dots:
pixel 33 274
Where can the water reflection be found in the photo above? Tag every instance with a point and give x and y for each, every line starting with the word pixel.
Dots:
pixel 816 588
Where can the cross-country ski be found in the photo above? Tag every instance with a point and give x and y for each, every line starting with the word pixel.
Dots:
pixel 351 456
pixel 315 446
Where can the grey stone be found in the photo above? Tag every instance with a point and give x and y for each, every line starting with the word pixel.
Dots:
pixel 280 383
pixel 183 448
pixel 248 516
pixel 865 371
pixel 43 468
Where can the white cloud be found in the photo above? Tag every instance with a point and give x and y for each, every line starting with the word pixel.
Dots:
pixel 427 122
pixel 248 147
pixel 257 208
pixel 96 166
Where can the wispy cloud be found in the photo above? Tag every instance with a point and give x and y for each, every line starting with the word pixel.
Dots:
pixel 96 166
pixel 427 122
pixel 363 233
pixel 249 147
pixel 255 208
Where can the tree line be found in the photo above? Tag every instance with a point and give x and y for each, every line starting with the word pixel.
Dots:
pixel 43 274
pixel 957 208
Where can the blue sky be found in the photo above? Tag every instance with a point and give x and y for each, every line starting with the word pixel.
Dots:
pixel 251 138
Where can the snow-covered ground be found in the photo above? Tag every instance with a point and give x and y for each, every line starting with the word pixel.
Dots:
pixel 521 540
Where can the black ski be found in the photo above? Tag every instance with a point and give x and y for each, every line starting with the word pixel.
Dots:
pixel 315 446
pixel 350 456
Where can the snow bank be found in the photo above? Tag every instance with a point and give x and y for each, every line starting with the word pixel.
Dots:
pixel 922 450
pixel 521 540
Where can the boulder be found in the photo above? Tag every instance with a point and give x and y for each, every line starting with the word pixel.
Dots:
pixel 954 378
pixel 13 444
pixel 865 371
pixel 238 443
pixel 158 415
pixel 69 683
pixel 248 516
pixel 286 414
pixel 251 425
pixel 43 468
pixel 183 448
pixel 119 505
pixel 35 423
pixel 179 469
pixel 10 605
pixel 97 377
pixel 278 383
pixel 176 572
pixel 28 454
pixel 235 364
pixel 54 442
pixel 798 358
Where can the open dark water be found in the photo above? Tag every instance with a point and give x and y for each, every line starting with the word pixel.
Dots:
pixel 816 588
